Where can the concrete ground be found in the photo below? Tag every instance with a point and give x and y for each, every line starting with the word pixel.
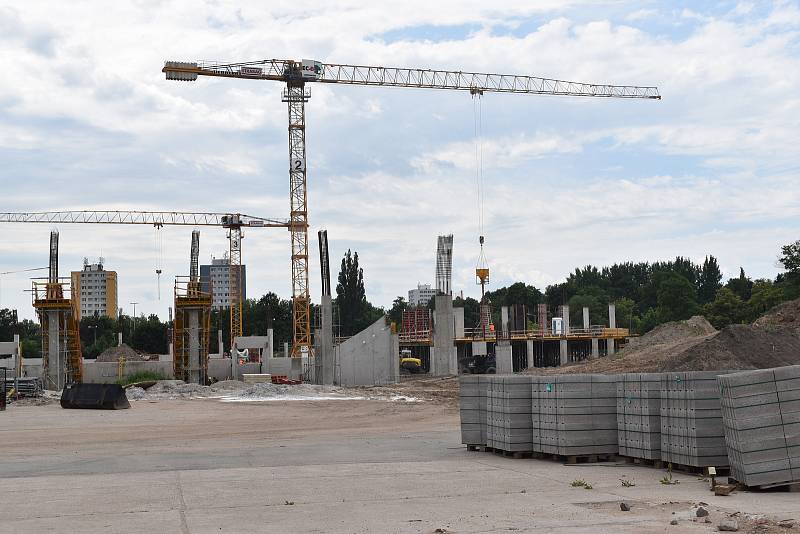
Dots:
pixel 326 466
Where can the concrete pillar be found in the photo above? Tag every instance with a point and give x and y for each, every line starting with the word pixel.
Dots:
pixel 193 328
pixel 585 318
pixel 55 360
pixel 220 344
pixel 119 339
pixel 612 316
pixel 529 350
pixel 595 349
pixel 326 355
pixel 266 354
pixel 444 357
pixel 285 349
pixel 563 351
pixel 503 357
pixel 458 319
pixel 297 368
pixel 565 317
pixel 610 345
pixel 504 321
pixel 395 369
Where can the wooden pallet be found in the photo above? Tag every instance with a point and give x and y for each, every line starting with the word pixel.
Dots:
pixel 791 486
pixel 694 470
pixel 657 464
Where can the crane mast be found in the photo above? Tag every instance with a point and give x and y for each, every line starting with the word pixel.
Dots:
pixel 295 74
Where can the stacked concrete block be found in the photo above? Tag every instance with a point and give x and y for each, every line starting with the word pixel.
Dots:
pixel 761 414
pixel 472 405
pixel 692 432
pixel 639 415
pixel 574 415
pixel 513 433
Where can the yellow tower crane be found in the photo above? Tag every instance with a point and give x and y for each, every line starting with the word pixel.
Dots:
pixel 232 222
pixel 296 74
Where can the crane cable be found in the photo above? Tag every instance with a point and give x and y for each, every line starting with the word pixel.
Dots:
pixel 477 114
pixel 159 252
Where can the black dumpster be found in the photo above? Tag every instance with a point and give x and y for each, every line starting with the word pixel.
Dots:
pixel 94 397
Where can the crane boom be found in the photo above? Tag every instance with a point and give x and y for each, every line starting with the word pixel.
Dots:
pixel 141 217
pixel 295 74
pixel 233 222
pixel 313 71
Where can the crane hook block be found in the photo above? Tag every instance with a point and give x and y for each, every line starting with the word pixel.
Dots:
pixel 480 239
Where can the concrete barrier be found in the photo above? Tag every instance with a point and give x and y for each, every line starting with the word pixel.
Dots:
pixel 107 372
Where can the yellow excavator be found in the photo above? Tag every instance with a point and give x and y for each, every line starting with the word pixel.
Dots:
pixel 409 364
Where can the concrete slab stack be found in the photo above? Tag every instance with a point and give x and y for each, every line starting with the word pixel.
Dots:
pixel 692 432
pixel 575 415
pixel 639 415
pixel 472 405
pixel 761 414
pixel 514 430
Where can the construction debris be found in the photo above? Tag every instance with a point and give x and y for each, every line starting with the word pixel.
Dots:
pixel 113 354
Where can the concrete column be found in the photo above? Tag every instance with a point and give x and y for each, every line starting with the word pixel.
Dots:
pixel 610 345
pixel 503 358
pixel 266 355
pixel 55 360
pixel 595 349
pixel 444 360
pixel 326 355
pixel 395 359
pixel 529 347
pixel 564 351
pixel 585 318
pixel 565 317
pixel 504 321
pixel 119 339
pixel 458 320
pixel 220 344
pixel 612 316
pixel 193 323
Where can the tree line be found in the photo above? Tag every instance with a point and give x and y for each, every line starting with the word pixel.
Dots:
pixel 645 294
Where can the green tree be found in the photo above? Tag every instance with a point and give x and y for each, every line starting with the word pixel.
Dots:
pixel 677 298
pixel 150 335
pixel 626 314
pixel 727 308
pixel 708 282
pixel 790 257
pixel 355 312
pixel 396 312
pixel 741 286
pixel 765 296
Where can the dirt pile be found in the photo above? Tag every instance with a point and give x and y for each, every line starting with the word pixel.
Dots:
pixel 786 314
pixel 113 354
pixel 694 345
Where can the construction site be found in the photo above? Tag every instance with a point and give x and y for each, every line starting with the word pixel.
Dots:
pixel 522 420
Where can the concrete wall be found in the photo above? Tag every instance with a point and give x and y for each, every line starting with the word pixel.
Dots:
pixel 371 357
pixel 106 372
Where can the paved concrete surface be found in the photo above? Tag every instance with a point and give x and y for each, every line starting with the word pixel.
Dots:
pixel 330 466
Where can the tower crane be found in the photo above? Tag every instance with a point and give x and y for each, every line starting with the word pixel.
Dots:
pixel 232 222
pixel 296 74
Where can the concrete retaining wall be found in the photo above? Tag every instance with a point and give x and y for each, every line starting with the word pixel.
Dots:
pixel 761 416
pixel 639 415
pixel 692 432
pixel 106 372
pixel 371 357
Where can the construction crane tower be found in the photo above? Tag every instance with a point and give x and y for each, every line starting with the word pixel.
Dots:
pixel 296 74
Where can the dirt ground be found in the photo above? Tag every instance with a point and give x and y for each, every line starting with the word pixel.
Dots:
pixel 205 465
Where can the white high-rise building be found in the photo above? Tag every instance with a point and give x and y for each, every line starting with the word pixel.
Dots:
pixel 96 290
pixel 421 296
pixel 216 279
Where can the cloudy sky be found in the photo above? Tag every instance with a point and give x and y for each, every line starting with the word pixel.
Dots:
pixel 87 121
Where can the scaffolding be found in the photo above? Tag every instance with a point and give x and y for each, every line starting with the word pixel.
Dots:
pixel 416 327
pixel 62 360
pixel 191 330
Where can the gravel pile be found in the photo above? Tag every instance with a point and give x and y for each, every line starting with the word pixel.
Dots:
pixel 113 354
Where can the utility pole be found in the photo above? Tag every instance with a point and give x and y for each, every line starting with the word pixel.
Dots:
pixel 134 319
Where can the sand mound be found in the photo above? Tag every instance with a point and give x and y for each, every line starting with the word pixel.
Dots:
pixel 672 332
pixel 113 354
